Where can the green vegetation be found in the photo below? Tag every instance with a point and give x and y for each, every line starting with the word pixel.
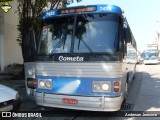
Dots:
pixel 30 12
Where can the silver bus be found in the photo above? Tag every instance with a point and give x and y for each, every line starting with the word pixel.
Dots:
pixel 80 59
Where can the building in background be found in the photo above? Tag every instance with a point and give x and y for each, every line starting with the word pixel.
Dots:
pixel 10 51
pixel 155 42
pixel 157 35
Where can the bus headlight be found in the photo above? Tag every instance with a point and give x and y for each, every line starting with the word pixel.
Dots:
pixel 45 83
pixel 41 83
pixel 96 87
pixel 48 84
pixel 105 87
pixel 101 86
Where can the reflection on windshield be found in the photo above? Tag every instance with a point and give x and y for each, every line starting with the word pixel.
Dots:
pixel 59 34
pixel 94 33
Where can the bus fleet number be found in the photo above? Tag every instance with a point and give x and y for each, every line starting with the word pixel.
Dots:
pixel 50 13
pixel 107 8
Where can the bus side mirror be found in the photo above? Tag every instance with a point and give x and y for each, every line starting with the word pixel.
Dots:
pixel 28 44
pixel 33 41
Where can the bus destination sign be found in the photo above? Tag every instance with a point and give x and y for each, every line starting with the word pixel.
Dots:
pixel 76 10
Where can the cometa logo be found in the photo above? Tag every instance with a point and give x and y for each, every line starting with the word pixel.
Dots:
pixel 5 6
pixel 77 58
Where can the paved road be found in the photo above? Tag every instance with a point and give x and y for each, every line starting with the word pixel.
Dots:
pixel 148 98
pixel 143 96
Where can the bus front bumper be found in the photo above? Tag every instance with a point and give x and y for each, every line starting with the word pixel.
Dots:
pixel 102 103
pixel 151 61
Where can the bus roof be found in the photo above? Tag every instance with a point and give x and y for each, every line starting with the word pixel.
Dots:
pixel 103 8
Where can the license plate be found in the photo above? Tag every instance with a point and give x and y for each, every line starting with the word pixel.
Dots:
pixel 69 101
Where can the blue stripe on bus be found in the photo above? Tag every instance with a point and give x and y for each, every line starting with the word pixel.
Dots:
pixel 75 86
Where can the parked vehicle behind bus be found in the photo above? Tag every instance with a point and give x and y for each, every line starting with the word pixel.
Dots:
pixel 9 99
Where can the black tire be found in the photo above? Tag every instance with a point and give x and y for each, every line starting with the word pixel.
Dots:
pixel 16 105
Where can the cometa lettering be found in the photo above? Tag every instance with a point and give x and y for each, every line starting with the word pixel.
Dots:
pixel 77 58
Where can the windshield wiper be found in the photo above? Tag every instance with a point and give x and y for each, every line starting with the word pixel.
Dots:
pixel 59 44
pixel 85 44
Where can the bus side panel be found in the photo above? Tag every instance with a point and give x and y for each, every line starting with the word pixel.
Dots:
pixel 29 73
pixel 128 69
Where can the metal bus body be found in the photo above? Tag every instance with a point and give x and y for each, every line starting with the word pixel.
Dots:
pixel 151 57
pixel 80 59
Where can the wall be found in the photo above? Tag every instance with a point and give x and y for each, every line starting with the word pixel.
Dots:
pixel 1 40
pixel 11 49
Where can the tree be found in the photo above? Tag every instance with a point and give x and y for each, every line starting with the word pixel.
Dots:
pixel 30 12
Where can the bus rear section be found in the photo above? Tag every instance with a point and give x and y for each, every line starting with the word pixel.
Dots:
pixel 79 62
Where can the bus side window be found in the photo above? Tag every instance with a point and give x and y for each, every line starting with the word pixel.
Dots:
pixel 124 43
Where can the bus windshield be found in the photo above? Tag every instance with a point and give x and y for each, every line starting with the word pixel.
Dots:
pixel 84 33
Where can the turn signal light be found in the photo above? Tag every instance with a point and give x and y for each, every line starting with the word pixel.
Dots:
pixel 31 83
pixel 116 86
